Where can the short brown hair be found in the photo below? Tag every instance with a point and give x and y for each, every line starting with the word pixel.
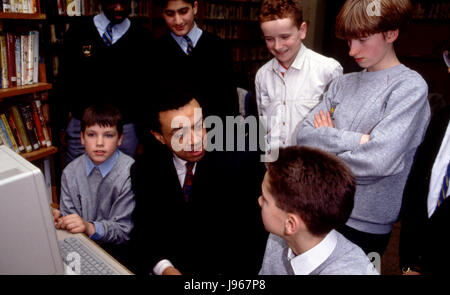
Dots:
pixel 103 115
pixel 354 20
pixel 278 9
pixel 313 184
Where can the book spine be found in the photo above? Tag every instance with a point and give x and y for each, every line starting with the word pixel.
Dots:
pixel 5 136
pixel 24 57
pixel 37 124
pixel 6 6
pixel 15 131
pixel 4 61
pixel 21 127
pixel 9 133
pixel 30 68
pixel 18 61
pixel 11 59
pixel 43 122
pixel 46 113
pixel 27 116
pixel 36 57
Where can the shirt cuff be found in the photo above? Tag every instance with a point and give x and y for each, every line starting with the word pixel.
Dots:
pixel 161 266
pixel 99 232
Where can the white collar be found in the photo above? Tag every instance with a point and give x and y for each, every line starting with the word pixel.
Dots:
pixel 307 262
pixel 296 64
pixel 180 165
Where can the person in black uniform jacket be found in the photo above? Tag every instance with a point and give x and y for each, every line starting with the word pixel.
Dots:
pixel 96 70
pixel 423 245
pixel 216 228
pixel 207 65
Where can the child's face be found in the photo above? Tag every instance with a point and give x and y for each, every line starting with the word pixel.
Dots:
pixel 272 216
pixel 374 52
pixel 283 39
pixel 100 143
pixel 116 10
pixel 179 16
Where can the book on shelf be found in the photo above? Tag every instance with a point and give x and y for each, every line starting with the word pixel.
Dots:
pixel 6 136
pixel 9 133
pixel 15 130
pixel 21 128
pixel 26 112
pixel 19 55
pixel 20 6
pixel 39 115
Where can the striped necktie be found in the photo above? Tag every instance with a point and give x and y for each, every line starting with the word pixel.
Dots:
pixel 188 180
pixel 190 46
pixel 107 36
pixel 444 189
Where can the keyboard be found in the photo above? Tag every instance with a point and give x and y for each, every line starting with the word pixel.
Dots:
pixel 80 259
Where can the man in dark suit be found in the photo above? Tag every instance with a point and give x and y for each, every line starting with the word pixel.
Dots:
pixel 196 210
pixel 426 219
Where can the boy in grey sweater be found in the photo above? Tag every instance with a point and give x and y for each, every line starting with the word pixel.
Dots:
pixel 306 194
pixel 374 120
pixel 96 195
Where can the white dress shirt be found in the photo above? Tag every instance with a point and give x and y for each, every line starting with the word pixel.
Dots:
pixel 438 172
pixel 180 166
pixel 118 30
pixel 284 100
pixel 307 262
pixel 194 34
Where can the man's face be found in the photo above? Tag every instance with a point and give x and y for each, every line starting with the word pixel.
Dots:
pixel 100 142
pixel 182 131
pixel 179 16
pixel 283 39
pixel 116 10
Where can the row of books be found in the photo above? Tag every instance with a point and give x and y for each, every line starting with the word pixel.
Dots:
pixel 25 127
pixel 432 10
pixel 19 6
pixel 19 54
pixel 91 7
pixel 231 12
pixel 228 30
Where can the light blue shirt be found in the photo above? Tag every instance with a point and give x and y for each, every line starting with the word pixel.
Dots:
pixel 194 34
pixel 118 30
pixel 104 168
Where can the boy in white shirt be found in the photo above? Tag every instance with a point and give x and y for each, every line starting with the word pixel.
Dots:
pixel 290 85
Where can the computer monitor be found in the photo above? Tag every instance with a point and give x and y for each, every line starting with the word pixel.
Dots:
pixel 28 241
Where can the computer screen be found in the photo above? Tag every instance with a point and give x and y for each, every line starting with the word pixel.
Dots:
pixel 28 242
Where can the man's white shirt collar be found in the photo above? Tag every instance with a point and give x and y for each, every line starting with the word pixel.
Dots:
pixel 307 262
pixel 180 166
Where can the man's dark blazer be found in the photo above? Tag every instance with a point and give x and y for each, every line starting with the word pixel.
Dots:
pixel 422 238
pixel 218 231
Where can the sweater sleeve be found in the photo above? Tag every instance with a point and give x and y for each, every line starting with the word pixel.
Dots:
pixel 400 129
pixel 118 227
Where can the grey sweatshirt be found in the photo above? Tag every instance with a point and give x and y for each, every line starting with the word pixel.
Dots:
pixel 391 106
pixel 113 203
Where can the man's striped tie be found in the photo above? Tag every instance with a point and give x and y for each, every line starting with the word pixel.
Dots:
pixel 188 180
pixel 444 189
pixel 107 36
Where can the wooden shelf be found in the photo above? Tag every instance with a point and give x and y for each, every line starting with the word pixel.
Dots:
pixel 22 16
pixel 26 89
pixel 40 153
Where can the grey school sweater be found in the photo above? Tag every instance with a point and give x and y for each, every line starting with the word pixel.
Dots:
pixel 111 206
pixel 346 259
pixel 392 107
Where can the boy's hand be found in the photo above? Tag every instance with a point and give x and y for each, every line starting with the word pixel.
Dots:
pixel 323 120
pixel 75 224
pixel 56 217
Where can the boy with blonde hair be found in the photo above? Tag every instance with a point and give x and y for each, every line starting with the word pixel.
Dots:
pixel 374 120
pixel 292 83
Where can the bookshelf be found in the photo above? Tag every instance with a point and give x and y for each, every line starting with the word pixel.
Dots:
pixel 16 24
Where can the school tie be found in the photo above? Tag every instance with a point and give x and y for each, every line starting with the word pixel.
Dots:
pixel 444 189
pixel 188 180
pixel 189 43
pixel 107 36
